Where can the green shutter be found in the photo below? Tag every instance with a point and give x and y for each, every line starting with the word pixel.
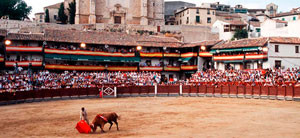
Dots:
pixel 198 19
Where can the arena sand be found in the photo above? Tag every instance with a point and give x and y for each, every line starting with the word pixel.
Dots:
pixel 156 117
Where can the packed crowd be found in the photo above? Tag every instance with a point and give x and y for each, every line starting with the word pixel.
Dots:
pixel 23 81
pixel 48 80
pixel 275 77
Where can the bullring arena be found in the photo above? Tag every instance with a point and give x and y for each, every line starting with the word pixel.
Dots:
pixel 143 115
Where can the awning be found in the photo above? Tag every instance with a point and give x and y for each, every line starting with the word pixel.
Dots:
pixel 235 49
pixel 57 56
pixel 185 59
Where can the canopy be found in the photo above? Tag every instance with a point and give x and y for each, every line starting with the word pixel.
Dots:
pixel 235 49
pixel 185 59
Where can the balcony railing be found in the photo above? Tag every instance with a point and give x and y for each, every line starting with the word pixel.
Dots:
pixel 23 63
pixel 171 68
pixel 71 67
pixel 151 68
pixel 1 59
pixel 190 54
pixel 205 54
pixel 121 68
pixel 89 53
pixel 171 55
pixel 189 67
pixel 240 57
pixel 23 49
pixel 155 54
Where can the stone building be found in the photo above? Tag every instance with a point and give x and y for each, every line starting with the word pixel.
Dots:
pixel 171 7
pixel 53 12
pixel 196 16
pixel 39 17
pixel 140 12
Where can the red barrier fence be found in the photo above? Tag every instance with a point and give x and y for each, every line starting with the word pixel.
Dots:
pixel 271 92
pixel 47 93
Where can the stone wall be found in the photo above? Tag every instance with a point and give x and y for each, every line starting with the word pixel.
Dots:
pixel 189 33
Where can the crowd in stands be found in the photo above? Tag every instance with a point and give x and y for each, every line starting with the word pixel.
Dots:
pixel 275 77
pixel 92 48
pixel 24 81
pixel 49 80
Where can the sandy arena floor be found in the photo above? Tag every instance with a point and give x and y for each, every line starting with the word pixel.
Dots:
pixel 156 117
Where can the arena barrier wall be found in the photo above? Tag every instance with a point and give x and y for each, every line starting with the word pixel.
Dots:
pixel 236 91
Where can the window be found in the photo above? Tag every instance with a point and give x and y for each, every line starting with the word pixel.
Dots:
pixel 180 22
pixel 117 19
pixel 55 16
pixel 208 11
pixel 296 49
pixel 41 16
pixel 276 48
pixel 197 11
pixel 283 19
pixel 277 64
pixel 197 19
pixel 187 11
pixel 258 30
pixel 187 20
pixel 294 18
pixel 213 13
pixel 208 20
pixel 153 4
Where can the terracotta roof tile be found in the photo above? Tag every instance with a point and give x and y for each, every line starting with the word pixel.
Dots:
pixel 255 24
pixel 93 37
pixel 233 22
pixel 286 14
pixel 280 21
pixel 54 6
pixel 242 43
pixel 203 43
pixel 21 36
pixel 285 40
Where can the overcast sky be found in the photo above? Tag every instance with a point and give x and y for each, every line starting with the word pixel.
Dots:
pixel 283 5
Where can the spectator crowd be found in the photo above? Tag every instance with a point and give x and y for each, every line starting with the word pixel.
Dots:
pixel 49 80
pixel 275 77
pixel 24 81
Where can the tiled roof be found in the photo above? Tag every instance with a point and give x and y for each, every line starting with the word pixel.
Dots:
pixel 20 36
pixel 286 14
pixel 203 43
pixel 242 43
pixel 54 6
pixel 285 40
pixel 234 15
pixel 280 21
pixel 93 37
pixel 250 10
pixel 255 24
pixel 233 22
pixel 257 42
pixel 3 32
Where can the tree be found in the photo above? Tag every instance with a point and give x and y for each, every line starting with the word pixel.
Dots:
pixel 47 18
pixel 14 9
pixel 240 33
pixel 62 17
pixel 72 12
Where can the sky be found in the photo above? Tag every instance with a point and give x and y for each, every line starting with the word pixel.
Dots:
pixel 283 5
